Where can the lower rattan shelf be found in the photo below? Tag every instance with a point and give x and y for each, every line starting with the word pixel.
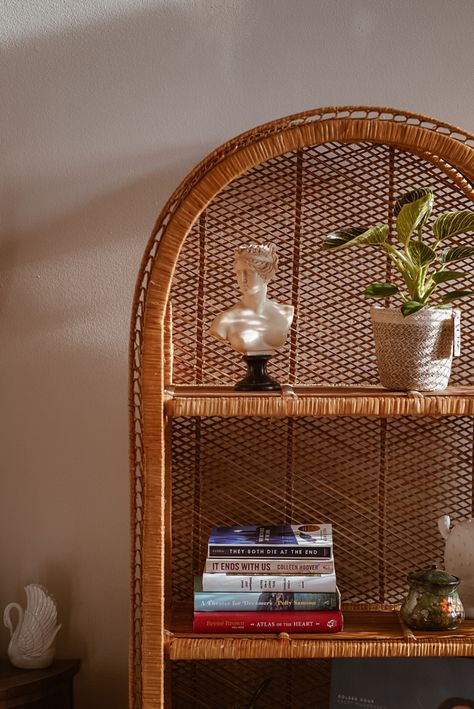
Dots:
pixel 367 633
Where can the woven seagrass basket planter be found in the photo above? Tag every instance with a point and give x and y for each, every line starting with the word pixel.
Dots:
pixel 414 352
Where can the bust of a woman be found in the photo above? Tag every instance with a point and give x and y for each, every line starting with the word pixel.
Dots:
pixel 255 325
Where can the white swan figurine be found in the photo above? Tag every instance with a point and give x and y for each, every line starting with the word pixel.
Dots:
pixel 32 641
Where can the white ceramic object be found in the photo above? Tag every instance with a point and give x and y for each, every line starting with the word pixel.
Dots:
pixel 459 557
pixel 413 352
pixel 32 640
pixel 255 325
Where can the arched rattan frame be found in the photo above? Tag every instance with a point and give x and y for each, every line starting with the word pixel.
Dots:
pixel 434 141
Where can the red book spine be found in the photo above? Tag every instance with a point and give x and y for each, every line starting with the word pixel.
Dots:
pixel 268 622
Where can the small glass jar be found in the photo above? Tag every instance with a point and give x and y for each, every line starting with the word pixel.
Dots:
pixel 433 602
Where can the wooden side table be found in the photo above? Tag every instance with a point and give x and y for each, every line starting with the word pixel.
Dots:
pixel 51 688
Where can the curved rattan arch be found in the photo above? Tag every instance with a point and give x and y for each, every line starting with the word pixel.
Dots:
pixel 445 146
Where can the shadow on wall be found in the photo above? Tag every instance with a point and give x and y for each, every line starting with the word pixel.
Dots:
pixel 97 230
pixel 106 93
pixel 95 114
pixel 65 308
pixel 91 129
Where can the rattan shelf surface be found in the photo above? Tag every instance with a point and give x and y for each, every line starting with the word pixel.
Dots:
pixel 367 633
pixel 317 401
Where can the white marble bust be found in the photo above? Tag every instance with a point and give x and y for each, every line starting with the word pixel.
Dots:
pixel 255 325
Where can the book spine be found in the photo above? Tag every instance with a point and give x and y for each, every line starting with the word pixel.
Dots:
pixel 270 566
pixel 320 583
pixel 269 552
pixel 267 601
pixel 281 622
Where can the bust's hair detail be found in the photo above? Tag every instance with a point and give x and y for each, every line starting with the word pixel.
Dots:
pixel 261 258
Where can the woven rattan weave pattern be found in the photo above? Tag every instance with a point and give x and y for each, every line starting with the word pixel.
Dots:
pixel 293 200
pixel 380 480
pixel 311 469
pixel 306 684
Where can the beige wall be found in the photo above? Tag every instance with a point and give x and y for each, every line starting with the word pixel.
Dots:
pixel 105 106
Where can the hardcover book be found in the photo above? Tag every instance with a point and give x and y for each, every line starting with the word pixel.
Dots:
pixel 270 566
pixel 280 541
pixel 268 622
pixel 270 552
pixel 321 583
pixel 393 683
pixel 269 601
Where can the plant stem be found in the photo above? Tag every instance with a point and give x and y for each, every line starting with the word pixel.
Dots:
pixel 404 266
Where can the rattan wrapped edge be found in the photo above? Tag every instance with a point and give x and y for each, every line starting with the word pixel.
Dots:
pixel 292 648
pixel 395 639
pixel 404 136
pixel 382 406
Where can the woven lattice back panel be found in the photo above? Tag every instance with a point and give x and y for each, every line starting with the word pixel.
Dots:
pixel 231 685
pixel 382 483
pixel 294 200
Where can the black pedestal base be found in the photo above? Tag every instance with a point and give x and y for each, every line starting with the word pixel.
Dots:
pixel 257 378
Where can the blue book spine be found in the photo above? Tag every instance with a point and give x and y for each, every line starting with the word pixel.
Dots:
pixel 284 534
pixel 266 601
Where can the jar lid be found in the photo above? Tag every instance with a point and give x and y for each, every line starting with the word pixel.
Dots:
pixel 433 576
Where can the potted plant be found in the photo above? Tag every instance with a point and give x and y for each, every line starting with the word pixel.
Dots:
pixel 414 343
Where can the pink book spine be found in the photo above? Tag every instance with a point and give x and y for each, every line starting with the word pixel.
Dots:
pixel 266 622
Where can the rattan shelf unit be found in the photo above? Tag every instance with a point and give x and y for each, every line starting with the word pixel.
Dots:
pixel 334 446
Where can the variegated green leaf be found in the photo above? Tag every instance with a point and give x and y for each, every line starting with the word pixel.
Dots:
pixel 411 307
pixel 421 254
pixel 456 253
pixel 343 237
pixel 380 290
pixel 356 235
pixel 411 217
pixel 455 294
pixel 376 235
pixel 411 211
pixel 411 196
pixel 443 276
pixel 452 224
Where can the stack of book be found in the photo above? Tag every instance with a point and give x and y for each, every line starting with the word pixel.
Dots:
pixel 268 580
